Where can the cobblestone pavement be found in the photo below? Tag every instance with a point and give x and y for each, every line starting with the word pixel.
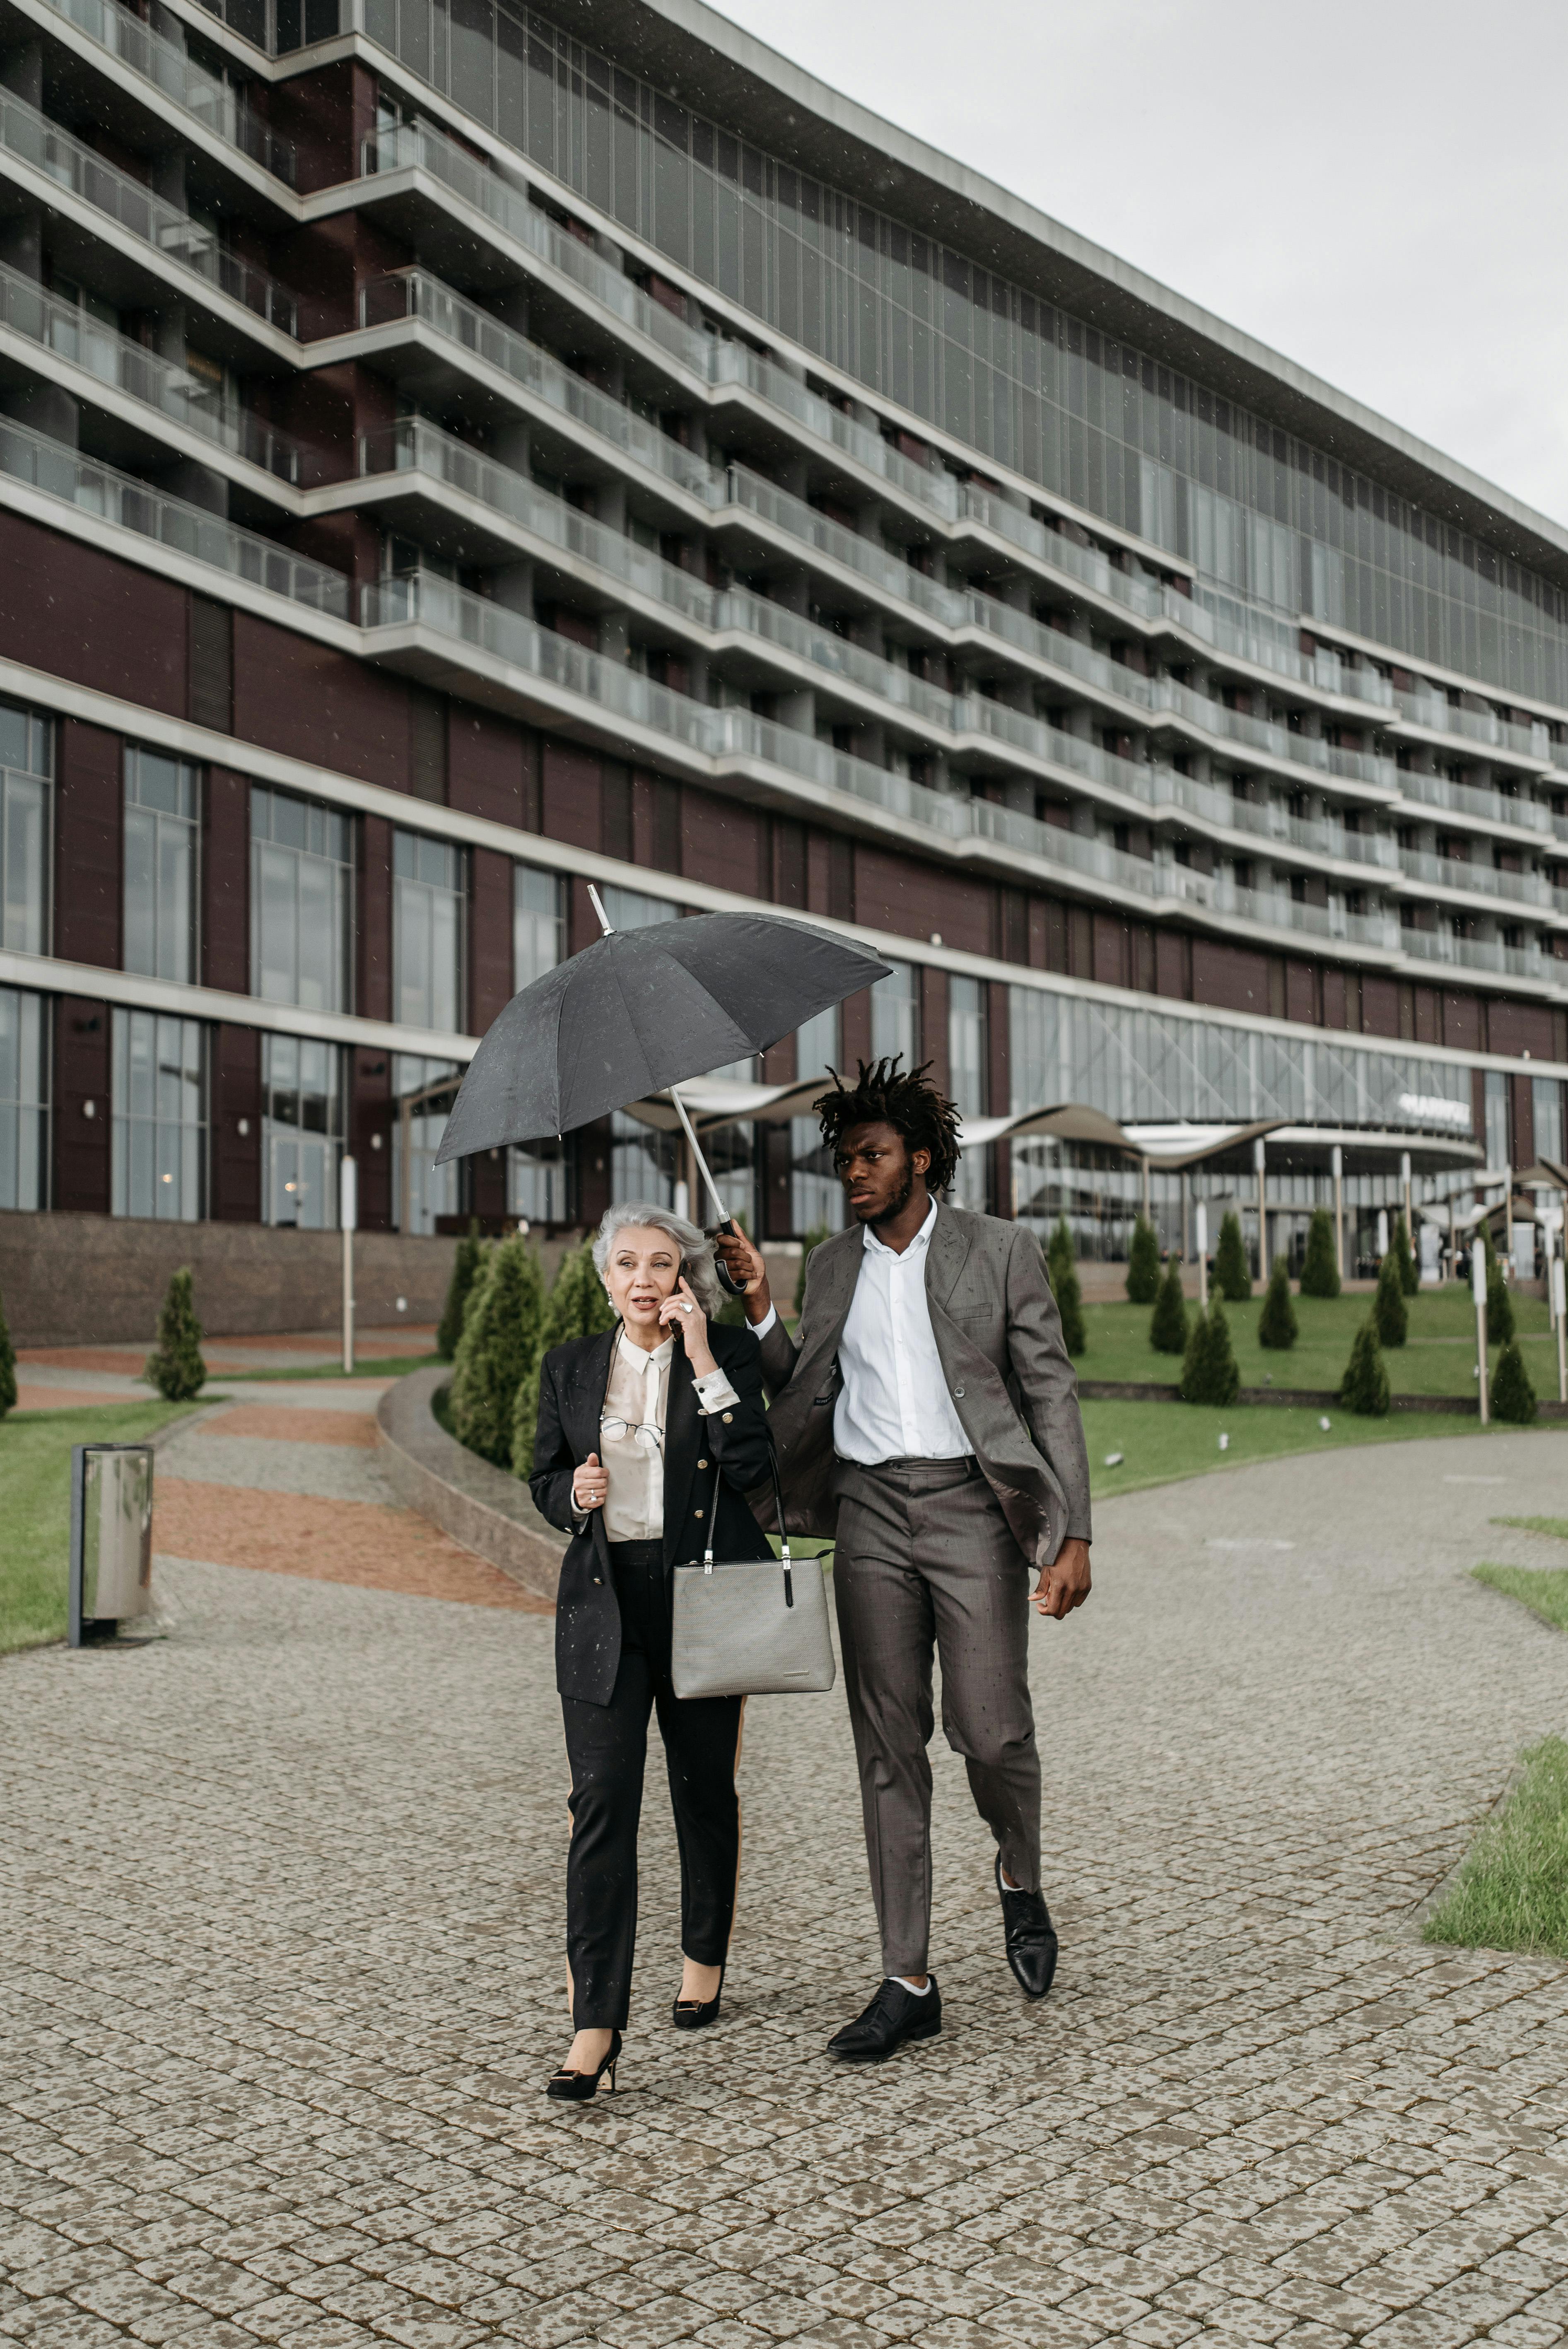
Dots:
pixel 280 1956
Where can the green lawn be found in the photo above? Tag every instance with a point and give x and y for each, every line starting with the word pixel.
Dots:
pixel 1163 1442
pixel 1558 1525
pixel 388 1366
pixel 36 1480
pixel 1511 1892
pixel 1438 1358
pixel 1544 1590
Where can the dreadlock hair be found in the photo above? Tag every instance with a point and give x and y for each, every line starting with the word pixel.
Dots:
pixel 905 1098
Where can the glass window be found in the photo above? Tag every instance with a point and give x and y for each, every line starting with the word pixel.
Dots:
pixel 23 1098
pixel 301 868
pixel 629 909
pixel 1548 1103
pixel 302 1132
pixel 816 1194
pixel 895 1016
pixel 818 1044
pixel 537 923
pixel 966 1045
pixel 426 1190
pixel 644 1162
pixel 159 1140
pixel 541 1184
pixel 428 889
pixel 1499 1144
pixel 162 806
pixel 26 744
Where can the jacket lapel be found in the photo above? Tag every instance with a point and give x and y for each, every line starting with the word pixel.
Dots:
pixel 832 1294
pixel 946 1253
pixel 683 1424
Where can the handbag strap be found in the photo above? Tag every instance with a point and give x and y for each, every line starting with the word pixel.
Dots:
pixel 779 1509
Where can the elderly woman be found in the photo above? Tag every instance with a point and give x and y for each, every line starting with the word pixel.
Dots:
pixel 647 1434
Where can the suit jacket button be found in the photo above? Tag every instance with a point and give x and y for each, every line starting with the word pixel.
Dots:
pixel 702 1464
pixel 598 1581
pixel 728 1417
pixel 957 1395
pixel 699 1512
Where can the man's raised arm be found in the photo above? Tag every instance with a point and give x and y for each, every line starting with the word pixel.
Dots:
pixel 778 1349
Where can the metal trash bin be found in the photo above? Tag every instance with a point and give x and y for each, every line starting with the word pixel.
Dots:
pixel 111 1538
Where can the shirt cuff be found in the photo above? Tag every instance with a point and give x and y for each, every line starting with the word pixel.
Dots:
pixel 759 1328
pixel 714 1393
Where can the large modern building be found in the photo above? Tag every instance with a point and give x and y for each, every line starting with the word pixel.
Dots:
pixel 453 453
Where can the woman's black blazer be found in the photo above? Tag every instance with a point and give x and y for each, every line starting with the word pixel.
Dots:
pixel 571 1383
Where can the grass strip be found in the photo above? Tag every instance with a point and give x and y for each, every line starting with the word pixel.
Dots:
pixel 35 1478
pixel 1165 1442
pixel 1511 1892
pixel 1558 1525
pixel 1542 1588
pixel 390 1366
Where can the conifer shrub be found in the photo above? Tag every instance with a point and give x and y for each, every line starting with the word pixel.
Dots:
pixel 1233 1273
pixel 579 1307
pixel 175 1366
pixel 1404 1257
pixel 7 1367
pixel 497 1348
pixel 1512 1395
pixel 1143 1264
pixel 813 1239
pixel 1364 1389
pixel 1277 1326
pixel 1168 1323
pixel 1208 1372
pixel 1061 1270
pixel 1390 1311
pixel 465 1265
pixel 1319 1271
pixel 1498 1303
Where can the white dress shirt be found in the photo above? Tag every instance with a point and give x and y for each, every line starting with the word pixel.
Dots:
pixel 638 1392
pixel 894 1403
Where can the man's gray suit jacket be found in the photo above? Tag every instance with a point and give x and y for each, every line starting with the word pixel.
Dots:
pixel 999 1337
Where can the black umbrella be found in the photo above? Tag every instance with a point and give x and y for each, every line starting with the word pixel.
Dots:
pixel 639 1011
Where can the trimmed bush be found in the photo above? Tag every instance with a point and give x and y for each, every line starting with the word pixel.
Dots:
pixel 465 1265
pixel 1364 1389
pixel 1233 1273
pixel 7 1368
pixel 813 1239
pixel 175 1366
pixel 1498 1303
pixel 1208 1372
pixel 1143 1264
pixel 1277 1322
pixel 497 1348
pixel 1513 1396
pixel 1404 1257
pixel 1061 1270
pixel 1319 1271
pixel 1390 1311
pixel 578 1307
pixel 1167 1323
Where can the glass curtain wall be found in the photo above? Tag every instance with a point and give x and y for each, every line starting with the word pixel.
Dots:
pixel 966 1059
pixel 24 1098
pixel 1274 521
pixel 428 880
pixel 162 809
pixel 1546 1096
pixel 431 1190
pixel 300 901
pixel 159 1141
pixel 540 1175
pixel 895 1015
pixel 27 767
pixel 302 1132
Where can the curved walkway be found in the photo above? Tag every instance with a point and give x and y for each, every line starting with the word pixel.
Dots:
pixel 281 1976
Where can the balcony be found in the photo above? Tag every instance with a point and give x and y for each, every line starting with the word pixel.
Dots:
pixel 209 100
pixel 122 365
pixel 1530 746
pixel 1483 880
pixel 1475 799
pixel 29 137
pixel 120 500
pixel 1479 954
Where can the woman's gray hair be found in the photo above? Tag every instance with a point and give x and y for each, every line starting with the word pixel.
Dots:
pixel 696 1252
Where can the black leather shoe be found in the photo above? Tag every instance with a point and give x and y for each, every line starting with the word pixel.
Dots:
pixel 894 2015
pixel 697 2013
pixel 1031 1938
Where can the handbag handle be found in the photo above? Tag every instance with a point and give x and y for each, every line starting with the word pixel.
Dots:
pixel 778 1509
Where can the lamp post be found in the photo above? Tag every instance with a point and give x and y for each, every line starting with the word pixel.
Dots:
pixel 1559 1302
pixel 1404 1188
pixel 1258 1163
pixel 1202 1219
pixel 1478 1289
pixel 1337 1163
pixel 348 1219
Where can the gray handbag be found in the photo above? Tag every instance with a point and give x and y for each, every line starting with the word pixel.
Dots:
pixel 758 1627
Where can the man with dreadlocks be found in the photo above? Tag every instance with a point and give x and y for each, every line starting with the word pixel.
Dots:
pixel 926 1414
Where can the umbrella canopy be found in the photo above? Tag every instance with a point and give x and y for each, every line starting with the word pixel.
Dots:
pixel 639 1011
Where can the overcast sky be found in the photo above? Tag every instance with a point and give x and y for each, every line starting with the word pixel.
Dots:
pixel 1377 188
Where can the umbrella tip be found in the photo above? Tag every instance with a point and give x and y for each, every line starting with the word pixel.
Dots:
pixel 604 922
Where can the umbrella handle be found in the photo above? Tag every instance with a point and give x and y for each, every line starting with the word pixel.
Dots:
pixel 726 1279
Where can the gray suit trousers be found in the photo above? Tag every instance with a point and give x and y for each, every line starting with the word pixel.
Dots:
pixel 926 1560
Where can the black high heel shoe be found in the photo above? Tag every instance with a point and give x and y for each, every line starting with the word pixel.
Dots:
pixel 576 2088
pixel 697 2013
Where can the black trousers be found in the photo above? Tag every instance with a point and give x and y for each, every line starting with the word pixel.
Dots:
pixel 607 1746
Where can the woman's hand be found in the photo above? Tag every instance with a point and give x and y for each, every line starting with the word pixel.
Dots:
pixel 591 1485
pixel 683 1312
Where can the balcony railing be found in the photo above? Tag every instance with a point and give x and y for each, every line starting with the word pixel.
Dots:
pixel 118 498
pixel 75 335
pixel 32 138
pixel 1473 799
pixel 1440 716
pixel 1448 873
pixel 206 97
pixel 1478 953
